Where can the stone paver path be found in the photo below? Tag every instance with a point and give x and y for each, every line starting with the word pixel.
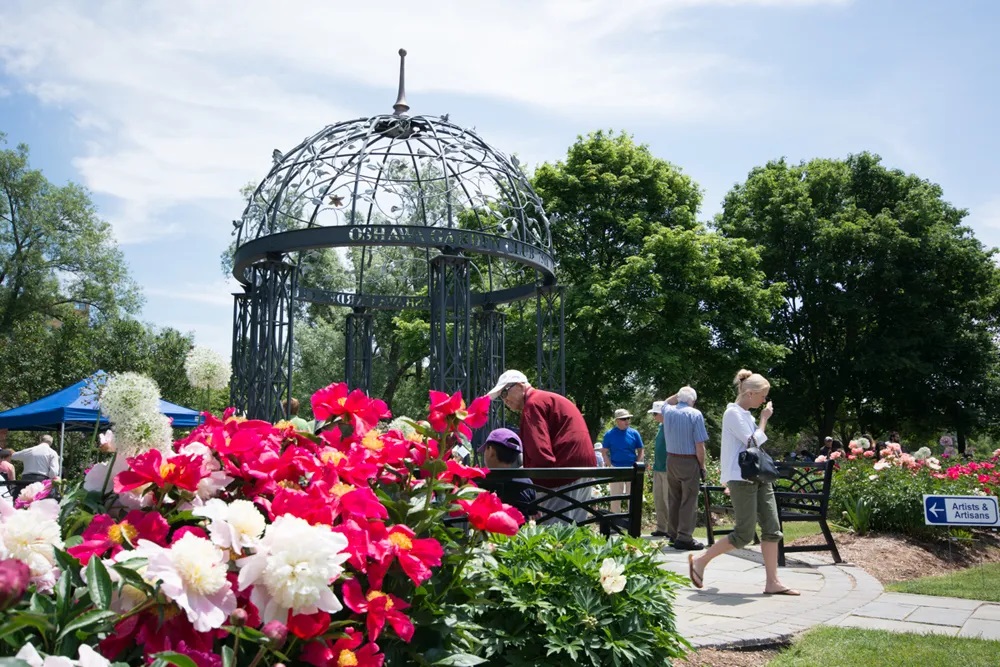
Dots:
pixel 731 611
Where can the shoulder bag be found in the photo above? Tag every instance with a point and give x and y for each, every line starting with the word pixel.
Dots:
pixel 756 465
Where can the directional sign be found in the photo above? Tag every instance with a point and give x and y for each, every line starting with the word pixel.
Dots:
pixel 961 511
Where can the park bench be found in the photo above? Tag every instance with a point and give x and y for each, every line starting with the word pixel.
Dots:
pixel 11 489
pixel 627 522
pixel 802 494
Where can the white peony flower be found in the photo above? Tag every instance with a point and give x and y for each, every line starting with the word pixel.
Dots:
pixel 30 535
pixel 932 463
pixel 193 574
pixel 293 568
pixel 206 368
pixel 98 478
pixel 88 658
pixel 612 576
pixel 236 526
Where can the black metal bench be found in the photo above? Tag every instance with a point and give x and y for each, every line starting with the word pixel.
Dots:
pixel 12 489
pixel 802 494
pixel 627 522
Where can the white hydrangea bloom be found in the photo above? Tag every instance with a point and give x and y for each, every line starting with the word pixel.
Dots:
pixel 206 368
pixel 293 568
pixel 612 576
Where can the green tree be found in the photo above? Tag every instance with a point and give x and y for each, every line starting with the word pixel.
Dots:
pixel 890 305
pixel 55 253
pixel 653 299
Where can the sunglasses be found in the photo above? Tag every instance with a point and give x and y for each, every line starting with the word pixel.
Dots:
pixel 506 390
pixel 624 419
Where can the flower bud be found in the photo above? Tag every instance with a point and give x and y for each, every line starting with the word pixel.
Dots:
pixel 276 632
pixel 14 579
pixel 238 618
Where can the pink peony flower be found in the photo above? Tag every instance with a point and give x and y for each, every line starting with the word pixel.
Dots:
pixel 14 579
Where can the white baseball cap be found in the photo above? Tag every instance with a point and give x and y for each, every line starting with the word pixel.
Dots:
pixel 506 378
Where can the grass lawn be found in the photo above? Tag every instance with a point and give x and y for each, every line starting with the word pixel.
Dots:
pixel 848 647
pixel 981 582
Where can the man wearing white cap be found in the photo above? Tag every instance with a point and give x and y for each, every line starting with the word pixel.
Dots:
pixel 623 448
pixel 553 435
pixel 685 435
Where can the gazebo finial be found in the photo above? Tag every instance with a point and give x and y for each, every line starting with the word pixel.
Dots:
pixel 401 107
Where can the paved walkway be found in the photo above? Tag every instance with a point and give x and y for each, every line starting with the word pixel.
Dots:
pixel 731 611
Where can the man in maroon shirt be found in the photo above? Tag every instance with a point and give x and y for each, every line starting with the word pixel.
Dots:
pixel 553 435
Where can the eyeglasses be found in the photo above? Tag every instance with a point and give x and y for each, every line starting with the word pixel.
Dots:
pixel 506 390
pixel 624 419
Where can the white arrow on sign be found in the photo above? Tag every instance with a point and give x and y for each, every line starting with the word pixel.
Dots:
pixel 934 510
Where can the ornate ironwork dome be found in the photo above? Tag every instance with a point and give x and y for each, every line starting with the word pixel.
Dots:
pixel 365 185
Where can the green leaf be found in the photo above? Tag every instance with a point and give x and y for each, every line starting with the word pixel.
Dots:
pixel 228 657
pixel 26 619
pixel 99 583
pixel 460 660
pixel 13 662
pixel 172 658
pixel 90 619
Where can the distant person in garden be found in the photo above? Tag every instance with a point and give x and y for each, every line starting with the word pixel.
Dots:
pixel 503 449
pixel 7 471
pixel 622 448
pixel 753 502
pixel 659 473
pixel 599 454
pixel 41 462
pixel 553 435
pixel 300 424
pixel 685 435
pixel 827 447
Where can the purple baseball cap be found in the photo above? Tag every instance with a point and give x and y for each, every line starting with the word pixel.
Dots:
pixel 504 437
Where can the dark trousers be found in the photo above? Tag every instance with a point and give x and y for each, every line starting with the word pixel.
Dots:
pixel 683 475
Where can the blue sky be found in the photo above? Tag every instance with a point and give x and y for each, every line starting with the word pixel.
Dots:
pixel 165 109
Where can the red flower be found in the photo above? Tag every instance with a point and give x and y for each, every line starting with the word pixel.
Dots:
pixel 381 608
pixel 461 471
pixel 182 471
pixel 354 407
pixel 307 626
pixel 415 555
pixel 449 413
pixel 488 513
pixel 103 534
pixel 344 651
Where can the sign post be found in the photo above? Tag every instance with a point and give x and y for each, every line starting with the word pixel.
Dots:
pixel 961 511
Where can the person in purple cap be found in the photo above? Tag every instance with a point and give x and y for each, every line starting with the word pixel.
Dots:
pixel 502 449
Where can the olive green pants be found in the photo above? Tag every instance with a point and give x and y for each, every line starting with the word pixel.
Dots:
pixel 753 503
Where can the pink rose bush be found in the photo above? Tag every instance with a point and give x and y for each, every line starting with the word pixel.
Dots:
pixel 251 543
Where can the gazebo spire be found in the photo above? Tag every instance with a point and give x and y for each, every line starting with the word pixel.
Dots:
pixel 401 107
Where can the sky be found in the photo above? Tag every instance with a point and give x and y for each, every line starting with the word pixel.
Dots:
pixel 164 110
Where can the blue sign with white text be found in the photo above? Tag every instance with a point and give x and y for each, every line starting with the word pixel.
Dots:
pixel 961 511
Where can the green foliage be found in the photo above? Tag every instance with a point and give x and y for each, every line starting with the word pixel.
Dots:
pixel 544 603
pixel 639 267
pixel 890 307
pixel 894 497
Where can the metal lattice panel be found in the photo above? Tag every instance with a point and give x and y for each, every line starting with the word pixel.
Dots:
pixel 449 292
pixel 488 362
pixel 269 362
pixel 358 369
pixel 551 337
pixel 241 350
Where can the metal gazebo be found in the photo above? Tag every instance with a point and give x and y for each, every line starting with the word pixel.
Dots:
pixel 464 212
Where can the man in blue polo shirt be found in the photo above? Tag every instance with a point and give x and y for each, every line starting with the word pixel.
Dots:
pixel 622 448
pixel 685 435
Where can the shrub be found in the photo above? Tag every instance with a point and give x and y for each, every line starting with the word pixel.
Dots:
pixel 557 595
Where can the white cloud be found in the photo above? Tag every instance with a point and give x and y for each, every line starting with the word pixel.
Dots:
pixel 218 293
pixel 182 102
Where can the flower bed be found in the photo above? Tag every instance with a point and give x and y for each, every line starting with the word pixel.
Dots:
pixel 250 543
pixel 884 493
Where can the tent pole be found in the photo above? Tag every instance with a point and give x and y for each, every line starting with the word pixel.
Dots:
pixel 62 436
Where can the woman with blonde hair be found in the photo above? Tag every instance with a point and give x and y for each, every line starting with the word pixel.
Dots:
pixel 753 502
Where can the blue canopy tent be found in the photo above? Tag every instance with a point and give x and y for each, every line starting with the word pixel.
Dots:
pixel 75 409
